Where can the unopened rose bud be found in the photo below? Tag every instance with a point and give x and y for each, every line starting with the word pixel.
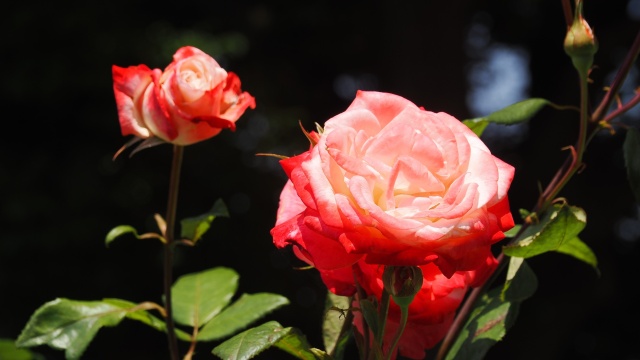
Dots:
pixel 580 43
pixel 402 283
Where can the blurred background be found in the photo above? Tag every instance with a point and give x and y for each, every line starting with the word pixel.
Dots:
pixel 61 192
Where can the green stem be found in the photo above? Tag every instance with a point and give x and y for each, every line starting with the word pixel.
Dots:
pixel 382 314
pixel 172 204
pixel 584 117
pixel 362 347
pixel 404 314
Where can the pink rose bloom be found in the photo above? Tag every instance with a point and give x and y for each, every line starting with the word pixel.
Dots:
pixel 430 313
pixel 192 100
pixel 393 184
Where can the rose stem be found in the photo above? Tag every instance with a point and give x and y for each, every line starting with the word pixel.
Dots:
pixel 561 178
pixel 465 310
pixel 365 328
pixel 404 314
pixel 382 315
pixel 558 182
pixel 172 203
pixel 617 81
pixel 568 15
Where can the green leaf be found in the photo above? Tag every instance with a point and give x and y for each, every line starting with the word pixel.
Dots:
pixel 494 314
pixel 476 125
pixel 525 285
pixel 145 317
pixel 560 224
pixel 69 324
pixel 296 344
pixel 126 229
pixel 631 149
pixel 516 113
pixel 370 313
pixel 9 351
pixel 252 342
pixel 194 227
pixel 240 314
pixel 513 231
pixel 334 337
pixel 119 231
pixel 200 296
pixel 579 250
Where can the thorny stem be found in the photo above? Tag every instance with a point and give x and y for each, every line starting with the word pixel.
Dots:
pixel 571 165
pixel 574 163
pixel 466 308
pixel 564 174
pixel 623 109
pixel 172 203
pixel 575 159
pixel 600 112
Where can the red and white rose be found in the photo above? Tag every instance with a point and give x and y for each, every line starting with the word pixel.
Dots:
pixel 394 184
pixel 192 100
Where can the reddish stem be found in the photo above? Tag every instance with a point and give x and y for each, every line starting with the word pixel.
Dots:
pixel 610 95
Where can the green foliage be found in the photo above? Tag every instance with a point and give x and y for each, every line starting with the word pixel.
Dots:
pixel 515 113
pixel 135 313
pixel 9 351
pixel 631 149
pixel 525 285
pixel 557 231
pixel 513 231
pixel 519 112
pixel 200 300
pixel 296 344
pixel 579 250
pixel 370 313
pixel 69 324
pixel 494 314
pixel 252 342
pixel 476 125
pixel 194 227
pixel 240 314
pixel 198 297
pixel 127 229
pixel 334 337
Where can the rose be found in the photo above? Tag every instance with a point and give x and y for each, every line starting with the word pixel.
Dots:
pixel 430 313
pixel 394 184
pixel 192 100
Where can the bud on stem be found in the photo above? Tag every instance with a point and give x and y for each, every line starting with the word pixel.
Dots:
pixel 580 43
pixel 402 283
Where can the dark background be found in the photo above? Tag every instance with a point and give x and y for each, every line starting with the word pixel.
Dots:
pixel 60 192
